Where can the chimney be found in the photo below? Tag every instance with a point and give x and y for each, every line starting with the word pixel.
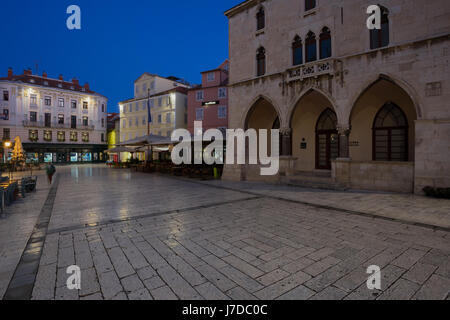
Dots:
pixel 27 72
pixel 44 74
pixel 61 77
pixel 75 81
pixel 86 86
pixel 10 73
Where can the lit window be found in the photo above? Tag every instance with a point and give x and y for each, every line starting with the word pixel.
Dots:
pixel 61 135
pixel 48 135
pixel 33 99
pixel 85 137
pixel 73 136
pixel 85 105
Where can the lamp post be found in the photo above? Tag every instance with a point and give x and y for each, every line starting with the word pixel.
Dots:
pixel 6 145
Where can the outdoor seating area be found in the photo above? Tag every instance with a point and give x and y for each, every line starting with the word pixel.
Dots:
pixel 202 172
pixel 11 190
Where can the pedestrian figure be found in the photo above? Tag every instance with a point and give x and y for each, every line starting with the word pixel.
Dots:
pixel 50 172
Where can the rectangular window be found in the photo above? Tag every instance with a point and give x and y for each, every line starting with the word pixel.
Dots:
pixel 159 102
pixel 222 112
pixel 48 120
pixel 103 108
pixel 6 134
pixel 199 95
pixel 130 123
pixel 222 93
pixel 168 118
pixel 85 136
pixel 47 135
pixel 199 114
pixel 5 95
pixel 5 115
pixel 211 76
pixel 61 102
pixel 103 137
pixel 33 116
pixel 136 106
pixel 73 104
pixel 73 122
pixel 33 99
pixel 48 101
pixel 73 136
pixel 159 118
pixel 103 123
pixel 61 135
pixel 33 135
pixel 60 119
pixel 137 122
pixel 144 120
pixel 85 121
pixel 85 105
pixel 124 123
pixel 310 4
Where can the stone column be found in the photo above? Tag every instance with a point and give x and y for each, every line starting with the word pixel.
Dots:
pixel 344 134
pixel 286 141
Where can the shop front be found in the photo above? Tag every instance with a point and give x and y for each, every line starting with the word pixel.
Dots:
pixel 65 154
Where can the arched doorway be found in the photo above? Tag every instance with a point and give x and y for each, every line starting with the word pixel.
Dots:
pixel 314 134
pixel 262 115
pixel 327 140
pixel 382 124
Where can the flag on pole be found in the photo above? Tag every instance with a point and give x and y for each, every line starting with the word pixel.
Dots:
pixel 148 110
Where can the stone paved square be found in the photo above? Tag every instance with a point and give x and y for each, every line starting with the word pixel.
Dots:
pixel 148 236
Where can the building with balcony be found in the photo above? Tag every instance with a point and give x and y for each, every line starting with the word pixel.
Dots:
pixel 167 98
pixel 208 102
pixel 58 121
pixel 356 108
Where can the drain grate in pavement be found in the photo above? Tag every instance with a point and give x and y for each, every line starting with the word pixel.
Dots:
pixel 22 282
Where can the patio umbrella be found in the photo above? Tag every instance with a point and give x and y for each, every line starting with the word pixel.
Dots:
pixel 120 149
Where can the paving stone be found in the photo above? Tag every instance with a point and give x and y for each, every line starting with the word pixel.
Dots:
pixel 408 258
pixel 121 265
pixel 239 293
pixel 419 273
pixel 44 286
pixel 89 282
pixel 400 290
pixel 330 293
pixel 110 285
pixel 164 293
pixel 141 294
pixel 95 296
pixel 320 266
pixel 243 266
pixel 131 284
pixel 210 292
pixel 153 283
pixel 176 283
pixel 146 273
pixel 277 289
pixel 272 277
pixel 242 279
pixel 436 288
pixel 299 293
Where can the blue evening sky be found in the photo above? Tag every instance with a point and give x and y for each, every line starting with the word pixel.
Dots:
pixel 119 40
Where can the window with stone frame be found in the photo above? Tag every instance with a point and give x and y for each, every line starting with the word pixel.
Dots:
pixel 33 135
pixel 297 51
pixel 85 136
pixel 390 134
pixel 48 135
pixel 380 38
pixel 260 19
pixel 61 135
pixel 311 47
pixel 310 4
pixel 261 62
pixel 73 136
pixel 325 43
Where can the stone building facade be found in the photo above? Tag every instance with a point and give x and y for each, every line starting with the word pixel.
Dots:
pixel 57 121
pixel 356 108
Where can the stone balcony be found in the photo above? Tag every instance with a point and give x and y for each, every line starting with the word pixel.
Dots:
pixel 310 70
pixel 42 124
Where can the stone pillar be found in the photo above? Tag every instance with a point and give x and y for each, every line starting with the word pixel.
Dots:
pixel 286 141
pixel 344 134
